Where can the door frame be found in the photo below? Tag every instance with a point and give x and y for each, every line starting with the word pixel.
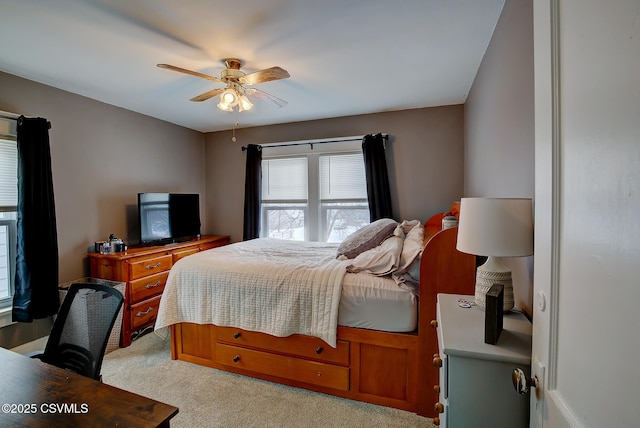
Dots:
pixel 548 406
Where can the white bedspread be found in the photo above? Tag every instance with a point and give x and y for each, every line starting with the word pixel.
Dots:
pixel 268 285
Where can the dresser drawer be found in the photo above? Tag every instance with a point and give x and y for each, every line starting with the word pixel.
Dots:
pixel 312 372
pixel 148 286
pixel 213 244
pixel 149 266
pixel 296 345
pixel 177 255
pixel 106 269
pixel 144 312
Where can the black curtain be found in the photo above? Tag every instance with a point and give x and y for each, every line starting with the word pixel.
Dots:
pixel 252 192
pixel 36 280
pixel 375 165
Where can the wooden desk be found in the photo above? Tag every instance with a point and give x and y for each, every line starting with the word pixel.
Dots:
pixel 36 394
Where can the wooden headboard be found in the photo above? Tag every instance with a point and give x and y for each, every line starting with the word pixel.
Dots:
pixel 443 269
pixel 434 223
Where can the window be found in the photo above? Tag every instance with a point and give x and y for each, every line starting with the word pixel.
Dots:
pixel 285 198
pixel 318 195
pixel 8 208
pixel 7 257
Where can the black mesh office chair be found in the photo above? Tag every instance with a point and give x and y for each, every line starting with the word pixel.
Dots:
pixel 81 329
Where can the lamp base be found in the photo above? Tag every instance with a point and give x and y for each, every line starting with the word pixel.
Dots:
pixel 485 279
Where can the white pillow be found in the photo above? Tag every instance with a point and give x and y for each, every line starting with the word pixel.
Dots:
pixel 412 246
pixel 380 260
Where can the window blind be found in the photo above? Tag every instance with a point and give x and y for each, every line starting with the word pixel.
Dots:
pixel 342 177
pixel 8 162
pixel 8 175
pixel 285 180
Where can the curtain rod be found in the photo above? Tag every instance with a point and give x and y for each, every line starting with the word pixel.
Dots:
pixel 14 116
pixel 312 142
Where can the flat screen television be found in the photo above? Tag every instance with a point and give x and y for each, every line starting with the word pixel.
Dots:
pixel 168 217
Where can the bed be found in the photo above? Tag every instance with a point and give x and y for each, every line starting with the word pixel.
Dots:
pixel 380 353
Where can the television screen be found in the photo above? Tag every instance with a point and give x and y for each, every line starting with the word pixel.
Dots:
pixel 168 217
pixel 184 215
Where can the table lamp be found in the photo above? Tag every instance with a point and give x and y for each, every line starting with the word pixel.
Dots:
pixel 496 228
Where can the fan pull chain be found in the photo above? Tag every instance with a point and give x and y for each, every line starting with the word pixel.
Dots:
pixel 233 135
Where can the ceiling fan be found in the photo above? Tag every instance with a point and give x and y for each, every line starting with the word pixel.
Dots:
pixel 235 94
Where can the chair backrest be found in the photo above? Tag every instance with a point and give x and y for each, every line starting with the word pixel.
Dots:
pixel 81 330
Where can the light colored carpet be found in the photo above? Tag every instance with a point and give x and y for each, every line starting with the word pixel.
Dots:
pixel 208 397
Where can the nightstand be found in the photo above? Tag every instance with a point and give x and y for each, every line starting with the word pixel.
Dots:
pixel 475 387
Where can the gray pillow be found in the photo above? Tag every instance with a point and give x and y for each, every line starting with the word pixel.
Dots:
pixel 367 238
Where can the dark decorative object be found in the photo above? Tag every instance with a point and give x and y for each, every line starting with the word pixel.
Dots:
pixel 493 314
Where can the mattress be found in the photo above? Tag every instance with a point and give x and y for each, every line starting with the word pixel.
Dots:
pixel 376 303
pixel 300 287
pixel 267 285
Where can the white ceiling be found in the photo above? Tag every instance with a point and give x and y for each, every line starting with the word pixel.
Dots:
pixel 345 57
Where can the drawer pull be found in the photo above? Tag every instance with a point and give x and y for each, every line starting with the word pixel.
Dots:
pixel 237 335
pixel 236 358
pixel 153 285
pixel 439 407
pixel 434 323
pixel 437 361
pixel 153 266
pixel 436 421
pixel 436 389
pixel 140 313
pixel 319 350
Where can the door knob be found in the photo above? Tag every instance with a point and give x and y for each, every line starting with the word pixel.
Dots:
pixel 521 382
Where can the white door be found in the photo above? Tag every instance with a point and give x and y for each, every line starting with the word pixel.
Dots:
pixel 586 342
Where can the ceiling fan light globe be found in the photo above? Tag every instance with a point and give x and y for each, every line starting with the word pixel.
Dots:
pixel 229 97
pixel 224 106
pixel 244 103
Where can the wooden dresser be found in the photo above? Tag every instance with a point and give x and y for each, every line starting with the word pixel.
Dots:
pixel 145 271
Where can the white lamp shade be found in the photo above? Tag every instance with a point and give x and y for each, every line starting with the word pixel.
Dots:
pixel 229 97
pixel 496 227
pixel 243 103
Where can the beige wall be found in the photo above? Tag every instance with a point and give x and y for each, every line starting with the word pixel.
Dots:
pixel 499 125
pixel 102 156
pixel 424 157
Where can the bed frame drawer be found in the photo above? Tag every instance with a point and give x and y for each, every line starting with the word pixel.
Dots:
pixel 147 286
pixel 296 345
pixel 149 266
pixel 312 372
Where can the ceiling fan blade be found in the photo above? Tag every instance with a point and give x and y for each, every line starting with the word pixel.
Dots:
pixel 262 95
pixel 207 95
pixel 266 75
pixel 193 73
